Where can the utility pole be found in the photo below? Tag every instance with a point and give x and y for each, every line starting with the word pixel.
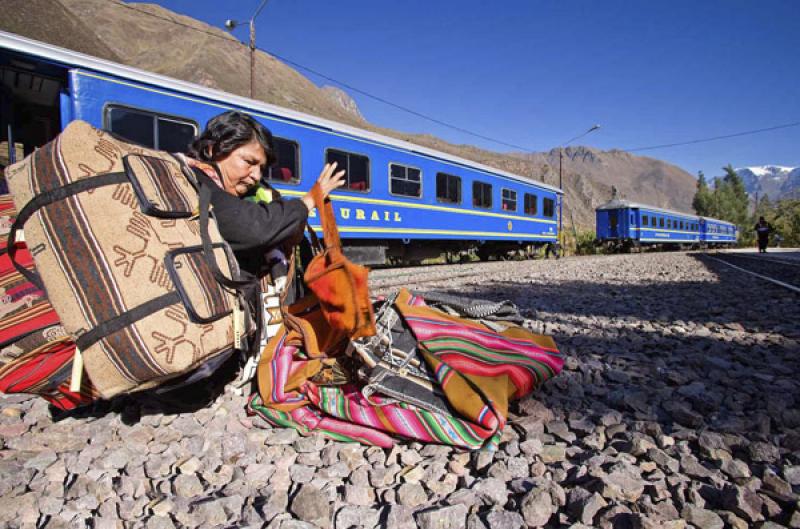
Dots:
pixel 561 183
pixel 230 25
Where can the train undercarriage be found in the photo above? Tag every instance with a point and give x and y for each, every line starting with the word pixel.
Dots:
pixel 395 252
pixel 634 246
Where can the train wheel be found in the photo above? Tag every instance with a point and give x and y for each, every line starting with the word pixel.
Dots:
pixel 452 257
pixel 483 255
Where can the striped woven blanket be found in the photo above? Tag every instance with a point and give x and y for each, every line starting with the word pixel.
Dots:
pixel 35 351
pixel 479 370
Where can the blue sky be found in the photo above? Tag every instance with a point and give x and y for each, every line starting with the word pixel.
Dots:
pixel 537 73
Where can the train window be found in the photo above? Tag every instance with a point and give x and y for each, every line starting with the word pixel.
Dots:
pixel 681 225
pixel 405 181
pixel 481 195
pixel 660 222
pixel 549 207
pixel 172 135
pixel 531 204
pixel 356 165
pixel 632 220
pixel 287 169
pixel 149 129
pixel 645 220
pixel 509 200
pixel 448 188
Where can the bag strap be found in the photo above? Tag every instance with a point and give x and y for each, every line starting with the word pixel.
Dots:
pixel 327 218
pixel 208 251
pixel 46 198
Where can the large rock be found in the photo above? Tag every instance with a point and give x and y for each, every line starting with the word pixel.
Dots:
pixel 504 520
pixel 493 490
pixel 761 452
pixel 187 486
pixel 702 518
pixel 357 516
pixel 398 517
pixel 411 495
pixel 537 507
pixel 584 505
pixel 312 505
pixel 450 517
pixel 742 502
pixel 792 474
pixel 623 482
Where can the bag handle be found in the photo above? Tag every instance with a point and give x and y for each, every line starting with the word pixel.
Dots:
pixel 327 218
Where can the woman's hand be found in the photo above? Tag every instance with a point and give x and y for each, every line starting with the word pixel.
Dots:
pixel 328 181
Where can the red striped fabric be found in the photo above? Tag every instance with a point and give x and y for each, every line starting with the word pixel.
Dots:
pixel 35 353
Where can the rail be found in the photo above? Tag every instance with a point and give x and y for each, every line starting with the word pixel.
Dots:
pixel 773 280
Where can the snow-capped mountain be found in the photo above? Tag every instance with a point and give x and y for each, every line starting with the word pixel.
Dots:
pixel 775 181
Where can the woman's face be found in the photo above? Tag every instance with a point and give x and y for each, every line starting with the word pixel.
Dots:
pixel 241 169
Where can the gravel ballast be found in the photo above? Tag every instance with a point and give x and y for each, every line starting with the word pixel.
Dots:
pixel 678 406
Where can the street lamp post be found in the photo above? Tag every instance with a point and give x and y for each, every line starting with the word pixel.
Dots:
pixel 560 181
pixel 230 25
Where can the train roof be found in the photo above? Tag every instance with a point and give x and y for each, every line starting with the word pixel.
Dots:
pixel 626 204
pixel 44 50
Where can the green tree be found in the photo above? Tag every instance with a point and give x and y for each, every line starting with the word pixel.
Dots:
pixel 730 198
pixel 702 202
pixel 763 207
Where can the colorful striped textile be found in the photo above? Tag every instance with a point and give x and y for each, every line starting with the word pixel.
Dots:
pixel 478 369
pixel 44 368
pixel 35 351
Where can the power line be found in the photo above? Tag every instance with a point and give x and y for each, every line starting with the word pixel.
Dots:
pixel 400 107
pixel 726 136
pixel 331 79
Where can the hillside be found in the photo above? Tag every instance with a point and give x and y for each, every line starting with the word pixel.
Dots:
pixel 140 37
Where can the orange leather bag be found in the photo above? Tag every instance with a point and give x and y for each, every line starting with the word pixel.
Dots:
pixel 338 307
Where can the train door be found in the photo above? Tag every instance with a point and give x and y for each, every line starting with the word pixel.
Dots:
pixel 31 94
pixel 613 223
pixel 635 223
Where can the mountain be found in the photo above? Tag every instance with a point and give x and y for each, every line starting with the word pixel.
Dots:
pixel 153 38
pixel 774 181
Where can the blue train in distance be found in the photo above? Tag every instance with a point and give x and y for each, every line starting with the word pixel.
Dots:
pixel 402 202
pixel 626 225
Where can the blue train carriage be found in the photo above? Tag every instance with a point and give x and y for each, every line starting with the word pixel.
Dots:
pixel 402 202
pixel 626 225
pixel 718 233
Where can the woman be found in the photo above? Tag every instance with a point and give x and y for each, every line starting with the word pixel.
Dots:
pixel 233 152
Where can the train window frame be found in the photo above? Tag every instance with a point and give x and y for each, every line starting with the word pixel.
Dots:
pixel 156 115
pixel 552 206
pixel 347 187
pixel 503 199
pixel 296 176
pixel 391 178
pixel 478 202
pixel 535 201
pixel 445 199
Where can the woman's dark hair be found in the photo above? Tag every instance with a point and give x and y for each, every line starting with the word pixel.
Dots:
pixel 227 132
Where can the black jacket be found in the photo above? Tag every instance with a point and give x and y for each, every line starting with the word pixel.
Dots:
pixel 251 228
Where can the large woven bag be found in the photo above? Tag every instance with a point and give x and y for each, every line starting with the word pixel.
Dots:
pixel 129 258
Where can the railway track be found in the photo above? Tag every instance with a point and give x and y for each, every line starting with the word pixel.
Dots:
pixel 385 278
pixel 782 272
